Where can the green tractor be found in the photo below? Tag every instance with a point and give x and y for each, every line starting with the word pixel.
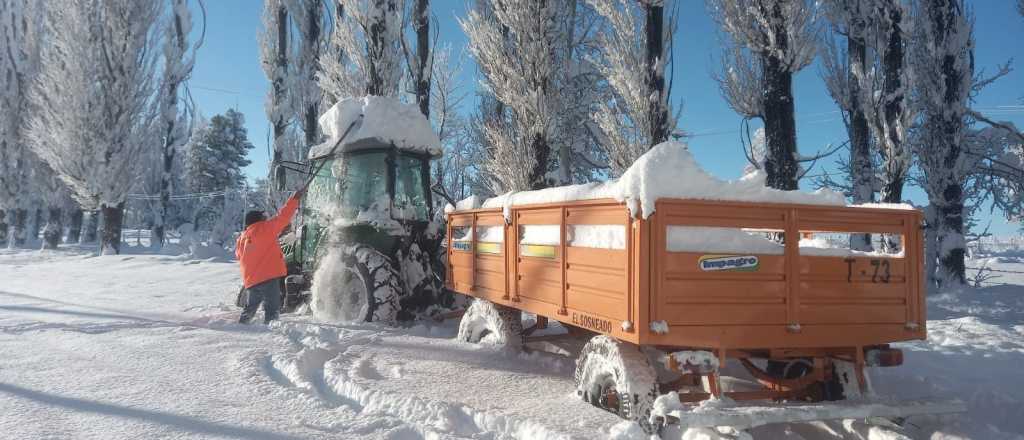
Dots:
pixel 367 245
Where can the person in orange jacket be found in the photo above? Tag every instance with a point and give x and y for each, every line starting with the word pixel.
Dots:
pixel 261 261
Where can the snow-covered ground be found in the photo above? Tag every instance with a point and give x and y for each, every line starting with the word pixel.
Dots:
pixel 145 346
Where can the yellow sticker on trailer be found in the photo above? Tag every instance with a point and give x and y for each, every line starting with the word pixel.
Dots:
pixel 488 248
pixel 537 250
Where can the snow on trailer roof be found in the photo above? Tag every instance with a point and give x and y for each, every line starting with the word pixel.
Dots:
pixel 666 171
pixel 384 121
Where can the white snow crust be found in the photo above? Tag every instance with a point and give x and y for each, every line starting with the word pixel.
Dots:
pixel 598 236
pixel 668 170
pixel 733 240
pixel 377 120
pixel 146 346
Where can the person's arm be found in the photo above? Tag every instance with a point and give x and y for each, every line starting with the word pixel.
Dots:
pixel 284 216
pixel 238 247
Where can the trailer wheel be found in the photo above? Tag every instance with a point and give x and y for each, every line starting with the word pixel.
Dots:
pixel 490 323
pixel 829 390
pixel 616 376
pixel 362 286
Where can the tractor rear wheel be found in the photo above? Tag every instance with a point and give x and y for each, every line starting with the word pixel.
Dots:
pixel 490 323
pixel 616 376
pixel 359 284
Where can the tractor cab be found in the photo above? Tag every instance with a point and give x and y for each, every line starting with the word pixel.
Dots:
pixel 370 200
pixel 375 196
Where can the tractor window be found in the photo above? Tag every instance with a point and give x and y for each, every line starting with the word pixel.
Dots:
pixel 364 183
pixel 323 191
pixel 410 190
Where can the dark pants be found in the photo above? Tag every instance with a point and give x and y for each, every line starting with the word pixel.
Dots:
pixel 267 292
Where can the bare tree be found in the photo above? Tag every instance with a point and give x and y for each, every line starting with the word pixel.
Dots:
pixel 421 65
pixel 943 56
pixel 274 56
pixel 843 70
pixel 306 95
pixel 364 55
pixel 638 116
pixel 516 45
pixel 91 103
pixel 770 41
pixel 20 27
pixel 179 59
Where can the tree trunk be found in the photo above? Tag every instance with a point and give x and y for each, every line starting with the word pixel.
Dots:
pixel 37 225
pixel 931 254
pixel 75 230
pixel 310 125
pixel 113 216
pixel 19 232
pixel 54 227
pixel 421 24
pixel 952 248
pixel 90 226
pixel 3 228
pixel 655 30
pixel 862 172
pixel 279 122
pixel 779 126
pixel 541 154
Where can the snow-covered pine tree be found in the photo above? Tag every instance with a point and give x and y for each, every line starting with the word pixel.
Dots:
pixel 770 40
pixel 943 58
pixel 20 27
pixel 91 118
pixel 214 163
pixel 516 45
pixel 274 56
pixel 175 122
pixel 843 73
pixel 637 116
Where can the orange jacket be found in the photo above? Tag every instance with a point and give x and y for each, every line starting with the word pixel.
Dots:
pixel 257 250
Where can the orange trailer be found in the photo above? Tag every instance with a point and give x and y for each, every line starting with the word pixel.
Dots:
pixel 803 322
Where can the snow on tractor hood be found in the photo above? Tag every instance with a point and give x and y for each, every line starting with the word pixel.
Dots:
pixel 383 121
pixel 666 171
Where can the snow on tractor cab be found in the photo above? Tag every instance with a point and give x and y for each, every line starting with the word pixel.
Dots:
pixel 674 272
pixel 366 240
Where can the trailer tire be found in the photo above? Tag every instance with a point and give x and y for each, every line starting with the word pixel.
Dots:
pixel 490 323
pixel 618 377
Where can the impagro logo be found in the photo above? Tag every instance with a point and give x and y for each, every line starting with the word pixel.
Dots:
pixel 739 263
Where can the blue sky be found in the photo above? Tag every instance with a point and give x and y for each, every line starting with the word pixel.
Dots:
pixel 228 75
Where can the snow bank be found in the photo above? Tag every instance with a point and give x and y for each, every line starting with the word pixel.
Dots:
pixel 377 120
pixel 667 171
pixel 706 239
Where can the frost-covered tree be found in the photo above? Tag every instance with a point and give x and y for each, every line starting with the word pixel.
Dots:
pixel 20 36
pixel 636 44
pixel 517 48
pixel 179 59
pixel 943 56
pixel 364 55
pixel 421 65
pixel 869 79
pixel 274 50
pixel 305 92
pixel 91 110
pixel 769 41
pixel 843 70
